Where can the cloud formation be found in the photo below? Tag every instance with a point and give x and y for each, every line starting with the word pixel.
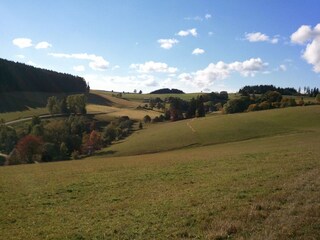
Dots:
pixel 79 68
pixel 260 37
pixel 184 33
pixel 96 62
pixel 152 66
pixel 221 70
pixel 22 42
pixel 43 45
pixel 198 51
pixel 306 35
pixel 167 43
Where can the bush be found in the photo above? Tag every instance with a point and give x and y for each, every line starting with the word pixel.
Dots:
pixel 253 107
pixel 288 102
pixel 264 105
pixel 75 155
pixel 146 119
pixel 2 160
pixel 318 98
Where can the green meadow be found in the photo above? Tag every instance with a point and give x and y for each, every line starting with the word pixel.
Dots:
pixel 242 176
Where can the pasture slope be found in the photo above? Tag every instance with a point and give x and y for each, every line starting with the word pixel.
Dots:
pixel 242 176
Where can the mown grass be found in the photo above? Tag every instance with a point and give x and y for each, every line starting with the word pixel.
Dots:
pixel 265 188
pixel 112 112
pixel 10 116
pixel 217 129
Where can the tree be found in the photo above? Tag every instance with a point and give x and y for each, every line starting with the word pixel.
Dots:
pixel 146 119
pixel 236 105
pixel 8 138
pixel 64 151
pixel 200 112
pixel 95 140
pixel 140 125
pixel 30 148
pixel 140 92
pixel 77 103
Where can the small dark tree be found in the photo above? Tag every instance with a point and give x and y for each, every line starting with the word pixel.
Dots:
pixel 140 125
pixel 146 119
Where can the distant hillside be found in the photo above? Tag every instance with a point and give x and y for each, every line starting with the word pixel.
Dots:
pixel 167 90
pixel 19 77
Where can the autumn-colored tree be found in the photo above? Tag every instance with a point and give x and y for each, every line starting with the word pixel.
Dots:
pixel 29 147
pixel 95 140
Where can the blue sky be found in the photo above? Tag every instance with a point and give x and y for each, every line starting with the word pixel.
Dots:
pixel 192 45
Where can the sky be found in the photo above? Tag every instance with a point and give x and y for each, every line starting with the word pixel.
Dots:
pixel 192 45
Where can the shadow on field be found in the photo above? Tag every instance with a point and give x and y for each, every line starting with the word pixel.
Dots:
pixel 98 100
pixel 103 153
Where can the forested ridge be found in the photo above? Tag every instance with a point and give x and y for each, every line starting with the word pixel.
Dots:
pixel 19 77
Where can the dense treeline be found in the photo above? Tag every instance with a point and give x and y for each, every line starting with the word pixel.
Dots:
pixel 261 89
pixel 16 77
pixel 167 90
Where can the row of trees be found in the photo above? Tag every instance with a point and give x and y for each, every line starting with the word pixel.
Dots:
pixel 269 100
pixel 16 77
pixel 71 104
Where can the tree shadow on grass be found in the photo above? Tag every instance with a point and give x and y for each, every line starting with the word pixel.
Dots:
pixel 105 153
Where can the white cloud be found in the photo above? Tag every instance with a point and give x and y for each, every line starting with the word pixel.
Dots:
pixel 152 66
pixel 22 42
pixel 305 34
pixel 210 33
pixel 282 68
pixel 21 56
pixel 198 51
pixel 199 18
pixel 43 45
pixel 79 68
pixel 221 70
pixel 184 33
pixel 260 37
pixel 312 54
pixel 96 62
pixel 167 43
pixel 148 80
pixel 115 67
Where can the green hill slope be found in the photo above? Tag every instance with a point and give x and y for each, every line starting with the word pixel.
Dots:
pixel 218 129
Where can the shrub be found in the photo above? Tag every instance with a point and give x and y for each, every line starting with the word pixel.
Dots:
pixel 264 105
pixel 147 119
pixel 2 160
pixel 253 107
pixel 75 155
pixel 288 102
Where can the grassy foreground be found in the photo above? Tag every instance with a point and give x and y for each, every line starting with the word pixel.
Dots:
pixel 260 188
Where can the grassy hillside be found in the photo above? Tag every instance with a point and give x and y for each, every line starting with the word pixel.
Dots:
pixel 265 188
pixel 135 97
pixel 218 129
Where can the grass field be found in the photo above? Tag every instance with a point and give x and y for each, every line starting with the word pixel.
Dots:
pixel 258 180
pixel 10 116
pixel 255 189
pixel 218 129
